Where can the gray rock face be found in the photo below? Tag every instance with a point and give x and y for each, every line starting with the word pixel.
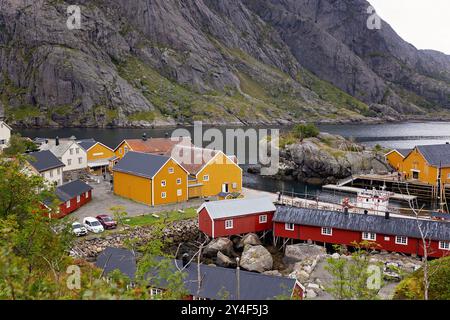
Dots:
pixel 160 62
pixel 250 239
pixel 256 258
pixel 223 245
pixel 302 253
pixel 225 261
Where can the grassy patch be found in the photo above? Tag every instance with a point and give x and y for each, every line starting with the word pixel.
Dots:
pixel 165 217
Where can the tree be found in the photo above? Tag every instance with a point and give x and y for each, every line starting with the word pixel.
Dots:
pixel 119 214
pixel 19 145
pixel 352 278
pixel 303 131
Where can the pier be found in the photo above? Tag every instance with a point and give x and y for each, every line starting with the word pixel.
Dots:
pixel 394 196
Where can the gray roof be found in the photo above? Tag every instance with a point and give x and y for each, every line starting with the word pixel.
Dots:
pixel 141 164
pixel 115 258
pixel 404 152
pixel 436 155
pixel 72 189
pixel 86 144
pixel 435 230
pixel 237 207
pixel 58 150
pixel 216 282
pixel 44 160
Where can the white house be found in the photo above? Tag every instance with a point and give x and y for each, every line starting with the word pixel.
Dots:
pixel 5 134
pixel 47 165
pixel 68 151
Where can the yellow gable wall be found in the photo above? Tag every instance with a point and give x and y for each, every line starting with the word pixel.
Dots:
pixel 395 160
pixel 120 151
pixel 99 152
pixel 220 170
pixel 171 184
pixel 416 161
pixel 133 187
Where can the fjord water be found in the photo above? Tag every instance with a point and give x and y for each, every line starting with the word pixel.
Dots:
pixel 389 135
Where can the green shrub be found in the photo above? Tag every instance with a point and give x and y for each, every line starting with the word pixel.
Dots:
pixel 303 131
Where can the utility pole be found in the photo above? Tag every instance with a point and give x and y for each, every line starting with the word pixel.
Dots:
pixel 238 280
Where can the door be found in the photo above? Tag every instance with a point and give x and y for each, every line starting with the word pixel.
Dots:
pixel 225 187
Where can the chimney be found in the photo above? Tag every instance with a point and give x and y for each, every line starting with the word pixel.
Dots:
pixel 345 210
pixel 366 212
pixel 57 141
pixel 144 136
pixel 386 215
pixel 185 259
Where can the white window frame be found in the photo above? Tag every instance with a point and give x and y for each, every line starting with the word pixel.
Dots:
pixel 68 204
pixel 71 151
pixel 289 226
pixel 234 185
pixel 229 224
pixel 171 170
pixel 403 243
pixel 77 151
pixel 263 218
pixel 163 183
pixel 206 177
pixel 98 154
pixel 444 245
pixel 178 181
pixel 163 195
pixel 69 162
pixel 80 160
pixel 155 292
pixel 51 173
pixel 78 199
pixel 369 236
pixel 326 231
pixel 86 195
pixel 179 192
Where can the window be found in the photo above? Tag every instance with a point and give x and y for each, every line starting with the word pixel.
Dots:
pixel 444 245
pixel 120 151
pixel 401 240
pixel 206 177
pixel 98 154
pixel 51 173
pixel 80 160
pixel 163 195
pixel 171 170
pixel 179 192
pixel 369 236
pixel 77 150
pixel 69 162
pixel 68 204
pixel 155 292
pixel 58 171
pixel 289 226
pixel 415 174
pixel 163 183
pixel 326 231
pixel 78 199
pixel 125 149
pixel 234 185
pixel 86 195
pixel 71 151
pixel 178 180
pixel 263 218
pixel 228 224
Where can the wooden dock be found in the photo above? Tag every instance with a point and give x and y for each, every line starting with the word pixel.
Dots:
pixel 394 196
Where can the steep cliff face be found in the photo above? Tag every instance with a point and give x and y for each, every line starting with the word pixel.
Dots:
pixel 158 62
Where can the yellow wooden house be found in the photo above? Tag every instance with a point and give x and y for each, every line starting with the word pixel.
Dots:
pixel 98 154
pixel 150 179
pixel 211 172
pixel 395 158
pixel 428 163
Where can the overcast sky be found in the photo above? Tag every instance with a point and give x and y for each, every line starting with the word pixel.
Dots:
pixel 423 23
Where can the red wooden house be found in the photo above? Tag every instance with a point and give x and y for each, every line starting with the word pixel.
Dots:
pixel 72 196
pixel 393 234
pixel 238 216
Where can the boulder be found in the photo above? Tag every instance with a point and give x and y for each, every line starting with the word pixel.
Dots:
pixel 300 275
pixel 256 258
pixel 335 256
pixel 273 273
pixel 223 245
pixel 310 294
pixel 250 239
pixel 313 286
pixel 302 252
pixel 225 261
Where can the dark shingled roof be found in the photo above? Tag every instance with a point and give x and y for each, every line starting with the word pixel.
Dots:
pixel 404 152
pixel 86 144
pixel 436 230
pixel 141 164
pixel 114 258
pixel 216 281
pixel 436 155
pixel 71 190
pixel 44 160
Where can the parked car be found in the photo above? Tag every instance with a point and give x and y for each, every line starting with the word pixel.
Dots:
pixel 93 225
pixel 78 229
pixel 106 221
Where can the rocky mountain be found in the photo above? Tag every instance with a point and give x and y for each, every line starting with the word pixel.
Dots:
pixel 162 62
